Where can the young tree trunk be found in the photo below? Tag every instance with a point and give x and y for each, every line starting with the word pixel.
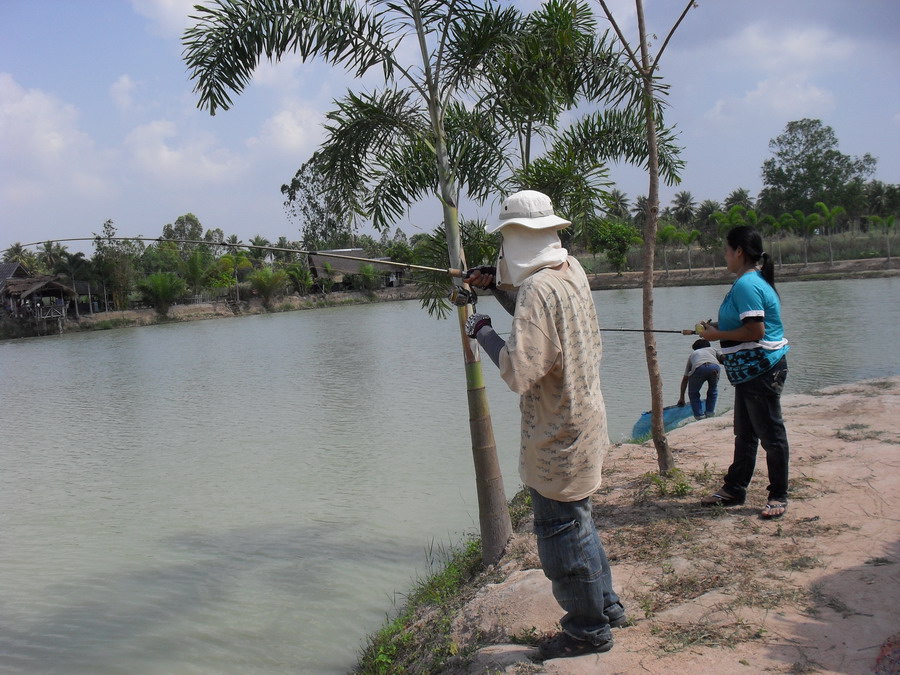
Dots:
pixel 663 453
pixel 493 508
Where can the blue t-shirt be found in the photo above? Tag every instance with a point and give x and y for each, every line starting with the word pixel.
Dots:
pixel 752 296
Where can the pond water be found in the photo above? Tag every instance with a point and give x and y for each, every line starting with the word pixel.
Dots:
pixel 254 494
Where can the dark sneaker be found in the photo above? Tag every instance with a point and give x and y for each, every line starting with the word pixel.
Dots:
pixel 563 646
pixel 618 622
pixel 616 615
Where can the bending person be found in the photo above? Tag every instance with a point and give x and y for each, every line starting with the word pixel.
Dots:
pixel 702 368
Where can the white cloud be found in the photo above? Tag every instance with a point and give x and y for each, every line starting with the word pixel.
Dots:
pixel 45 155
pixel 291 132
pixel 168 18
pixel 781 97
pixel 195 161
pixel 778 50
pixel 121 92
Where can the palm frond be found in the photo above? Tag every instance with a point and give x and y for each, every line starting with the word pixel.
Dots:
pixel 408 174
pixel 474 42
pixel 225 45
pixel 363 131
pixel 478 150
pixel 431 249
pixel 614 135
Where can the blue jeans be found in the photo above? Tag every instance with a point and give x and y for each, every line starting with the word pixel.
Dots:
pixel 757 419
pixel 573 558
pixel 707 374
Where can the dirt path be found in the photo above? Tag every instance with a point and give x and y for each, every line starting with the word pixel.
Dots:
pixel 719 590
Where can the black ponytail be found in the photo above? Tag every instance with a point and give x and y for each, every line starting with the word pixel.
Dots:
pixel 749 240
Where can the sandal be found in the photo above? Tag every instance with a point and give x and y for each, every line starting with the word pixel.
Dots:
pixel 721 498
pixel 773 510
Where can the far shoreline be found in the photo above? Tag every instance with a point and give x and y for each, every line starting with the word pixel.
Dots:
pixel 816 271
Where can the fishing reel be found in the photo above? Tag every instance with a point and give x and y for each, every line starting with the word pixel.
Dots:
pixel 461 297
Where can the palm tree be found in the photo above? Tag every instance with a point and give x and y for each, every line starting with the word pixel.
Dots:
pixel 828 217
pixel 233 262
pixel 268 283
pixel 161 290
pixel 805 225
pixel 50 254
pixel 683 208
pixel 73 264
pixel 197 268
pixel 667 235
pixel 299 277
pixel 640 212
pixel 688 238
pixel 259 255
pixel 885 224
pixel 617 205
pixel 738 197
pixel 18 253
pixel 705 221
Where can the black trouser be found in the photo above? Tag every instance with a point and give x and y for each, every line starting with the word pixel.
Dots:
pixel 757 419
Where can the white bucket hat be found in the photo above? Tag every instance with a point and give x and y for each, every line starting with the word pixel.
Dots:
pixel 531 209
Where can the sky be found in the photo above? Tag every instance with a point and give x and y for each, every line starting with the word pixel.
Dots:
pixel 98 119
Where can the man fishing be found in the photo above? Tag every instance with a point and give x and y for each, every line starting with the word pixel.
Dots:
pixel 552 359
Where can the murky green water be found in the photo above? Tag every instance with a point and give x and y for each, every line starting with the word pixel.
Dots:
pixel 252 494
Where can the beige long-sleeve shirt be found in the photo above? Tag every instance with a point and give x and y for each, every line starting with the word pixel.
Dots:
pixel 552 359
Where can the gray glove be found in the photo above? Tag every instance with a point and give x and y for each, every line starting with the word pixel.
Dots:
pixel 475 323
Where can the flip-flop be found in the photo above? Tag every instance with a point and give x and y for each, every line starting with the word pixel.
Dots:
pixel 721 498
pixel 771 507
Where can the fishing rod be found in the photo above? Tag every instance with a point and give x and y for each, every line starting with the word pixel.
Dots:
pixel 453 272
pixel 686 331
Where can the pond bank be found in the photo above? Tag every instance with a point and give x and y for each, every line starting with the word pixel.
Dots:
pixel 712 590
pixel 840 269
pixel 816 271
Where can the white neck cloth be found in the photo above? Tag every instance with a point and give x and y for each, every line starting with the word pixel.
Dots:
pixel 524 251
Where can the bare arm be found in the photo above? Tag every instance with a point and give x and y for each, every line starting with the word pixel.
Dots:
pixel 684 384
pixel 752 330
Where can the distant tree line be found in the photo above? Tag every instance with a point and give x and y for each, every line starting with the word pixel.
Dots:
pixel 811 191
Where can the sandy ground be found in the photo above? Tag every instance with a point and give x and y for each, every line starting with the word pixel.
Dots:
pixel 720 590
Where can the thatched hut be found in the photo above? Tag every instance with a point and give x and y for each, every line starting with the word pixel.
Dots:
pixel 40 297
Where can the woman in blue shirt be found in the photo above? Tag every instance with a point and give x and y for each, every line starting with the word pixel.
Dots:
pixel 753 348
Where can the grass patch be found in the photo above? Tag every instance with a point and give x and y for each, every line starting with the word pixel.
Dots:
pixel 706 478
pixel 520 508
pixel 675 588
pixel 418 639
pixel 876 562
pixel 820 598
pixel 806 487
pixel 770 594
pixel 858 432
pixel 678 637
pixel 108 324
pixel 650 543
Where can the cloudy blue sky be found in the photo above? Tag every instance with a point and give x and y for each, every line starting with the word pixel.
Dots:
pixel 98 120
